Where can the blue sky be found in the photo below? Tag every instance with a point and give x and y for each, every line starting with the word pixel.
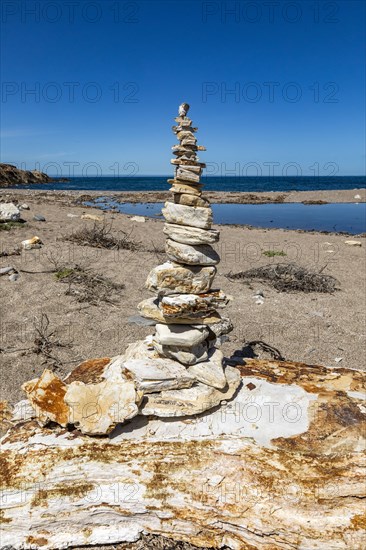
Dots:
pixel 274 86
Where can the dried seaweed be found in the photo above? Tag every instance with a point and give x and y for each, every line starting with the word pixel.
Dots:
pixel 288 278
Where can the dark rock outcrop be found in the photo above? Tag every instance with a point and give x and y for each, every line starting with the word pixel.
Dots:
pixel 11 175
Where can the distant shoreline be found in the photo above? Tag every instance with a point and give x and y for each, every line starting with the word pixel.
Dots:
pixel 218 197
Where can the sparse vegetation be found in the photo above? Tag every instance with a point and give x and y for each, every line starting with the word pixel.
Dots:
pixel 101 236
pixel 7 226
pixel 273 253
pixel 45 341
pixel 86 286
pixel 288 278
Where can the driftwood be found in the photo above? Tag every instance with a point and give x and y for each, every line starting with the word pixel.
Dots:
pixel 280 466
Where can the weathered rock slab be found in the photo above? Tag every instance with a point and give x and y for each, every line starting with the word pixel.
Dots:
pixel 171 277
pixel 280 466
pixel 187 215
pixel 191 235
pixel 201 254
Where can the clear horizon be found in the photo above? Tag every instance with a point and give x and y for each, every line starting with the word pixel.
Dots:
pixel 275 88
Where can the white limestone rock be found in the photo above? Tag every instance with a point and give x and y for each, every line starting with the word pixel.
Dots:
pixel 184 188
pixel 186 356
pixel 190 200
pixel 191 401
pixel 187 175
pixel 34 242
pixel 9 212
pixel 98 407
pixel 187 215
pixel 201 254
pixel 170 277
pixel 181 336
pixel 190 235
pixel 157 374
pixel 210 372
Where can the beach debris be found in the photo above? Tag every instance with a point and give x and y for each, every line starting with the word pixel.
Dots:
pixel 70 215
pixel 288 278
pixel 92 217
pixel 353 243
pixel 9 212
pixel 34 242
pixel 338 359
pixel 101 236
pixel 6 270
pixel 14 277
pixel 139 219
pixel 39 218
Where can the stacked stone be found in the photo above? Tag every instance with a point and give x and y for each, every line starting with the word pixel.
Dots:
pixel 188 328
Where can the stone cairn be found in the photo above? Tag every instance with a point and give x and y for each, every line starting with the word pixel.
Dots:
pixel 179 370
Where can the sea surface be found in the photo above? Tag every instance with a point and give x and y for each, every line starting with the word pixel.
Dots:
pixel 253 184
pixel 336 217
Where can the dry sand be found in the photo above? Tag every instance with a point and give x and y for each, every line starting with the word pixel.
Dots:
pixel 314 328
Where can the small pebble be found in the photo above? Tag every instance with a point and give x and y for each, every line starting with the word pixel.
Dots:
pixel 6 270
pixel 338 359
pixel 353 243
pixel 72 215
pixel 39 218
pixel 24 206
pixel 13 277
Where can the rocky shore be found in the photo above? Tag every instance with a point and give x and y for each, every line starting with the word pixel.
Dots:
pixel 11 175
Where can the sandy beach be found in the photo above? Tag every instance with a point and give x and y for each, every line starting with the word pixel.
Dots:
pixel 315 328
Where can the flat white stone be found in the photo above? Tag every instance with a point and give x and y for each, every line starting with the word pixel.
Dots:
pixel 191 401
pixel 187 175
pixel 186 356
pixel 191 235
pixel 170 277
pixel 210 372
pixel 154 375
pixel 202 254
pixel 9 212
pixel 194 216
pixel 178 335
pixel 97 408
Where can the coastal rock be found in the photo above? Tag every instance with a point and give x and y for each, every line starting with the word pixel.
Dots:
pixel 9 212
pixel 192 306
pixel 210 372
pixel 190 200
pixel 202 254
pixel 46 395
pixel 180 336
pixel 149 308
pixel 170 277
pixel 187 215
pixel 11 175
pixel 190 235
pixel 279 466
pixel 34 242
pixel 187 175
pixel 191 401
pixel 353 243
pixel 185 188
pixel 186 356
pixel 157 374
pixel 97 407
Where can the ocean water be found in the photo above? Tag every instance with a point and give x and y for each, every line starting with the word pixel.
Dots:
pixel 253 184
pixel 336 217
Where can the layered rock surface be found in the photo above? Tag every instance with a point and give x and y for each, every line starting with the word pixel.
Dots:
pixel 280 466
